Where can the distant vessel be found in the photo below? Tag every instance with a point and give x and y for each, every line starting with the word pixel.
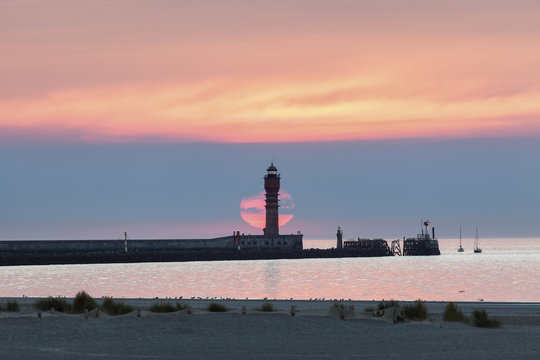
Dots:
pixel 476 247
pixel 460 247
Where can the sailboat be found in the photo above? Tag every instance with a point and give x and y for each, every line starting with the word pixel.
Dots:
pixel 460 247
pixel 476 248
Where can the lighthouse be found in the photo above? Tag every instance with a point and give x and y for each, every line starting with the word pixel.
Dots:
pixel 271 185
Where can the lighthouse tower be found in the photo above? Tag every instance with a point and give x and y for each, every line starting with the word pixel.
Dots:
pixel 271 185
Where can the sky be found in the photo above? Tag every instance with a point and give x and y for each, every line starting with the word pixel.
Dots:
pixel 160 117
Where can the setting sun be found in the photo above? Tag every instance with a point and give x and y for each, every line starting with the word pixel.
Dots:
pixel 253 212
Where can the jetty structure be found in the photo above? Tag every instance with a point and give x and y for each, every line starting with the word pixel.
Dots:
pixel 268 245
pixel 421 245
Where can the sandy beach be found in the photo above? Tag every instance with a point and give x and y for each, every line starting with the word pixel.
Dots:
pixel 315 332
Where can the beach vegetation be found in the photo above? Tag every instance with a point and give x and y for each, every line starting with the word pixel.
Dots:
pixel 57 303
pixel 112 307
pixel 387 304
pixel 369 310
pixel 12 306
pixel 416 311
pixel 383 305
pixel 214 307
pixel 167 307
pixel 179 306
pixel 481 319
pixel 266 307
pixel 164 307
pixel 83 301
pixel 453 314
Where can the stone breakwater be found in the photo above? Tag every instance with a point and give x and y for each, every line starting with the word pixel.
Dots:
pixel 135 256
pixel 239 247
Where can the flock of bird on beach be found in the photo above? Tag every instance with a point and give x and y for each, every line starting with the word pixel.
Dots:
pixel 227 298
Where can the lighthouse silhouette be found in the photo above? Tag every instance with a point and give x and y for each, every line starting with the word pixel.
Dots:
pixel 271 185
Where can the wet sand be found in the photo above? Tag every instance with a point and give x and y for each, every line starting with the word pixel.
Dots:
pixel 315 332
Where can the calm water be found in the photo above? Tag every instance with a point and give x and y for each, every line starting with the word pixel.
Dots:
pixel 507 270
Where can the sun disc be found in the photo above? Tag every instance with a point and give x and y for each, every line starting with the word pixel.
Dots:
pixel 253 212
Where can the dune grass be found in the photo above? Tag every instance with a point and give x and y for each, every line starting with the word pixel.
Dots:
pixel 214 307
pixel 11 306
pixel 266 307
pixel 112 307
pixel 383 305
pixel 453 314
pixel 387 304
pixel 167 307
pixel 83 301
pixel 481 319
pixel 335 305
pixel 162 308
pixel 57 303
pixel 416 311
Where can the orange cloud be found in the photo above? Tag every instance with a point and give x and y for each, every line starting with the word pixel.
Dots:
pixel 335 109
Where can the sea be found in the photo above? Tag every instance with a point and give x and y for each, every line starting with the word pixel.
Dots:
pixel 508 270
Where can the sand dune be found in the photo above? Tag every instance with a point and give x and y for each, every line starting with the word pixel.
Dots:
pixel 315 332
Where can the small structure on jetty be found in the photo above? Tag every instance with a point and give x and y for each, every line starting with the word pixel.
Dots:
pixel 339 238
pixel 422 244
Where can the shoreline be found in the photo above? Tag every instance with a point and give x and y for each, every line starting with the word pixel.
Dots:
pixel 435 308
pixel 315 332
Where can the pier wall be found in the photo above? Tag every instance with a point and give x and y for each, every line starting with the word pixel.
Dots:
pixel 226 242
